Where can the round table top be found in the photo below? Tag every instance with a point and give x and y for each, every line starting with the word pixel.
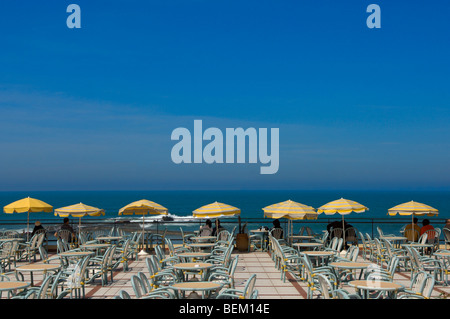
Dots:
pixel 375 285
pixel 301 236
pixel 203 238
pixel 95 246
pixel 12 285
pixel 307 244
pixel 259 231
pixel 38 267
pixel 193 266
pixel 75 253
pixel 319 253
pixel 349 264
pixel 395 238
pixel 418 245
pixel 109 237
pixel 202 245
pixel 197 285
pixel 193 255
pixel 442 254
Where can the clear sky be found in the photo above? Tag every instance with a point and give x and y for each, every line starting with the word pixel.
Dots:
pixel 94 108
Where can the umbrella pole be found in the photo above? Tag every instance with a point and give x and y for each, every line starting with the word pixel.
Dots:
pixel 143 252
pixel 28 225
pixel 343 230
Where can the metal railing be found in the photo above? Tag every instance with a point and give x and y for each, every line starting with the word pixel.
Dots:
pixel 363 225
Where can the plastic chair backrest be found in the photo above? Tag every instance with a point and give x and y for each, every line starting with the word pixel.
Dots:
pixel 277 233
pixel 351 235
pixel 418 281
pixel 423 238
pixel 336 232
pixel 137 285
pixel 325 286
pixel 412 234
pixel 428 286
pixel 249 286
pixel 432 236
pixel 124 295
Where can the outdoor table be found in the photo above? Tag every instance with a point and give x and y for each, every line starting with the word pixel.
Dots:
pixel 109 238
pixel 442 255
pixel 36 268
pixel 397 240
pixel 307 245
pixel 378 285
pixel 95 247
pixel 201 245
pixel 202 239
pixel 75 254
pixel 320 254
pixel 201 268
pixel 193 255
pixel 262 234
pixel 203 286
pixel 350 265
pixel 421 246
pixel 11 286
pixel 300 238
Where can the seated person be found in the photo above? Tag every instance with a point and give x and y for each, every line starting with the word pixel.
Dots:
pixel 66 226
pixel 409 234
pixel 37 226
pixel 426 226
pixel 276 225
pixel 206 230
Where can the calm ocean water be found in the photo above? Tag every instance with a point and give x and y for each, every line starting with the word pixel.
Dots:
pixel 182 203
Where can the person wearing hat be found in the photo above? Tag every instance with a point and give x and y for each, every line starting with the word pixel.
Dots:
pixel 37 226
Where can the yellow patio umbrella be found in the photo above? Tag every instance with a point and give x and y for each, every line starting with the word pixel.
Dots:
pixel 143 207
pixel 79 210
pixel 413 208
pixel 28 205
pixel 344 207
pixel 291 211
pixel 216 210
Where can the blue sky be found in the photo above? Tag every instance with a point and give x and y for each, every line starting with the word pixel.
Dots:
pixel 94 108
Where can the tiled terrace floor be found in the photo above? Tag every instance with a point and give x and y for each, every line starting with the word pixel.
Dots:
pixel 268 282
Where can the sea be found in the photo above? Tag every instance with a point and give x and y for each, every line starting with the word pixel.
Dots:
pixel 180 205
